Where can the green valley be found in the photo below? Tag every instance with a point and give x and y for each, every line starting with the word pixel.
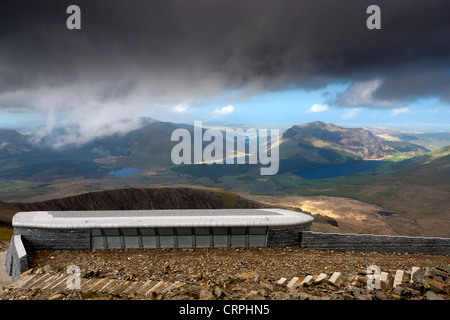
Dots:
pixel 408 179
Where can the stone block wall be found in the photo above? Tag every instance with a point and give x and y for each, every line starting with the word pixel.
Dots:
pixel 375 243
pixel 16 258
pixel 286 237
pixel 54 239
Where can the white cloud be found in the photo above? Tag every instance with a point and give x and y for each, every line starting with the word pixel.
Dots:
pixel 361 93
pixel 438 110
pixel 224 111
pixel 351 113
pixel 398 111
pixel 318 108
pixel 180 108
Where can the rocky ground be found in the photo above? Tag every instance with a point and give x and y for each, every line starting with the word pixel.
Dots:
pixel 243 273
pixel 4 245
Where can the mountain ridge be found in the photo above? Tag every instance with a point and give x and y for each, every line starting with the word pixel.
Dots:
pixel 303 146
pixel 357 141
pixel 135 199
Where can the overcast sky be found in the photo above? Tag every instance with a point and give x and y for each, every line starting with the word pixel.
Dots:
pixel 243 61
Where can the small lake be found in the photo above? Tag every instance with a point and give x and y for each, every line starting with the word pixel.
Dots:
pixel 339 170
pixel 386 213
pixel 125 172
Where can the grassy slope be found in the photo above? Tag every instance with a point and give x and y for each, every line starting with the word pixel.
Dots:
pixel 430 141
pixel 6 232
pixel 417 189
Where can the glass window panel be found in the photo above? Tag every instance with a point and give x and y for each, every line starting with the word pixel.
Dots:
pixel 238 240
pixel 131 242
pixel 203 241
pixel 129 232
pixel 147 231
pixel 167 241
pixel 114 242
pixel 238 230
pixel 220 240
pixel 201 231
pixel 257 240
pixel 111 232
pixel 165 231
pixel 185 241
pixel 96 232
pixel 97 243
pixel 257 230
pixel 220 230
pixel 184 231
pixel 149 241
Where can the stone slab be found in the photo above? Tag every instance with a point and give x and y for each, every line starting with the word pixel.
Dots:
pixel 292 282
pixel 398 278
pixel 413 270
pixel 321 277
pixel 334 277
pixel 306 280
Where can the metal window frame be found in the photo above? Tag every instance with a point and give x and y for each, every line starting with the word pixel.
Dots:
pixel 175 233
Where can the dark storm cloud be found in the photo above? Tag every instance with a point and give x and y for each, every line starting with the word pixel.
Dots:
pixel 171 51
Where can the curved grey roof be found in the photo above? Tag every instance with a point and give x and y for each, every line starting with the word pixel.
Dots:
pixel 160 218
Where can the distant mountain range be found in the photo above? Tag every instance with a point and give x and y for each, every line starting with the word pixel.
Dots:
pixel 302 147
pixel 148 146
pixel 412 181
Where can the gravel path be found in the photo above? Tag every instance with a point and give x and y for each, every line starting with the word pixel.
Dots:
pixel 5 279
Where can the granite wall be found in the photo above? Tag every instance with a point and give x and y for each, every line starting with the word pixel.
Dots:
pixel 375 243
pixel 16 258
pixel 54 239
pixel 286 237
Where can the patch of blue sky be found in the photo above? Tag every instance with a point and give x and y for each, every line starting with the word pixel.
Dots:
pixel 294 106
pixel 288 106
pixel 21 120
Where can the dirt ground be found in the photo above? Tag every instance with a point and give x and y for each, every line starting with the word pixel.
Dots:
pixel 353 216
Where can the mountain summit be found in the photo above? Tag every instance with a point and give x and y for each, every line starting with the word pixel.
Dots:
pixel 356 141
